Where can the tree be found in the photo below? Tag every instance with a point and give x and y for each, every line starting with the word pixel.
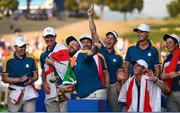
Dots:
pixel 71 5
pixel 8 5
pixel 174 8
pixel 28 5
pixel 125 6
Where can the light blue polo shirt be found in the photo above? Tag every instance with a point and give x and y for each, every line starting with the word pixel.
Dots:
pixel 87 75
pixel 17 67
pixel 150 55
pixel 114 61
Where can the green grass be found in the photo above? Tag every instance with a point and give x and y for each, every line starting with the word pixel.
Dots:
pixel 3 109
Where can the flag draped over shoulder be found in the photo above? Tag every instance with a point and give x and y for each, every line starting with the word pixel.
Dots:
pixel 150 95
pixel 70 77
pixel 61 59
pixel 170 65
pixel 97 59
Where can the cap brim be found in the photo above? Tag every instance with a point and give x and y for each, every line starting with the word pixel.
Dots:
pixel 135 29
pixel 69 39
pixel 112 34
pixel 166 36
pixel 133 62
pixel 20 45
pixel 85 38
pixel 49 35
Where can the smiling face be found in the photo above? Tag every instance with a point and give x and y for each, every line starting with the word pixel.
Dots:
pixel 110 41
pixel 138 69
pixel 87 44
pixel 20 51
pixel 171 45
pixel 73 47
pixel 50 40
pixel 142 35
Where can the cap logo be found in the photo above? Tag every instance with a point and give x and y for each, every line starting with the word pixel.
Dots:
pixel 21 39
pixel 48 30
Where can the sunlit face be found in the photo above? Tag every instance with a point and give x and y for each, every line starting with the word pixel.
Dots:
pixel 87 44
pixel 170 44
pixel 110 41
pixel 142 35
pixel 21 51
pixel 73 47
pixel 50 40
pixel 138 69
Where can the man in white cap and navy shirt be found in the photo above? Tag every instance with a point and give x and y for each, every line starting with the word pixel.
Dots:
pixel 20 71
pixel 112 57
pixel 142 50
pixel 86 41
pixel 54 56
pixel 171 72
pixel 142 91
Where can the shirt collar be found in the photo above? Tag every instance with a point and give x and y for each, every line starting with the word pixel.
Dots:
pixel 51 48
pixel 112 52
pixel 16 57
pixel 149 46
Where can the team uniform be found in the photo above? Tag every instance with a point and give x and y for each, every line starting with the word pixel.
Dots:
pixel 16 68
pixel 150 55
pixel 89 75
pixel 60 55
pixel 173 99
pixel 114 62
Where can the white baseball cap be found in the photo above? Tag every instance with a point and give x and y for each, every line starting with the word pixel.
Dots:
pixel 142 27
pixel 19 41
pixel 141 62
pixel 173 36
pixel 112 32
pixel 85 36
pixel 49 31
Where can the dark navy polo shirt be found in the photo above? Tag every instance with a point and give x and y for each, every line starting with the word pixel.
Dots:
pixel 150 55
pixel 17 67
pixel 87 75
pixel 114 62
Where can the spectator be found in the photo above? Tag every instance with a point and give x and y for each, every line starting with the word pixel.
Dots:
pixel 20 71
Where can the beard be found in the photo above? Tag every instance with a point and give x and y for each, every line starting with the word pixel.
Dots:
pixel 72 51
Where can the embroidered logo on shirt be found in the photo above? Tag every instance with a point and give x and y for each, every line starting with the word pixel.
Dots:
pixel 27 65
pixel 114 60
pixel 149 54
